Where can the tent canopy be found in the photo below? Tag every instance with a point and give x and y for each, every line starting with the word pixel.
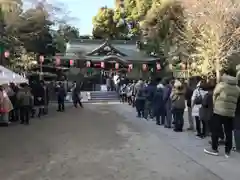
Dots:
pixel 8 76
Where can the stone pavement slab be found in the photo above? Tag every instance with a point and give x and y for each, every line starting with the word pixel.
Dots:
pixel 95 143
pixel 188 144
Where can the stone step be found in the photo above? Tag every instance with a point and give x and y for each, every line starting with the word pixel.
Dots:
pixel 104 96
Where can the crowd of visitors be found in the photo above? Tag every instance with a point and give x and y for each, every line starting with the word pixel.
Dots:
pixel 19 103
pixel 213 108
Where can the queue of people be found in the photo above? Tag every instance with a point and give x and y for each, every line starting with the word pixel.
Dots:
pixel 212 109
pixel 20 102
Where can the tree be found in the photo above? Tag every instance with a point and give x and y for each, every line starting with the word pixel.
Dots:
pixel 35 31
pixel 161 25
pixel 68 32
pixel 214 26
pixel 63 35
pixel 2 35
pixel 28 33
pixel 104 25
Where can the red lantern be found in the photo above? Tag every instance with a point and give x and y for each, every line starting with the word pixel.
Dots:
pixel 116 65
pixel 158 65
pixel 71 62
pixel 130 67
pixel 144 67
pixel 6 54
pixel 58 61
pixel 102 65
pixel 41 59
pixel 88 64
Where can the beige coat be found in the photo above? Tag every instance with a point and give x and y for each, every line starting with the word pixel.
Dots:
pixel 5 102
pixel 225 96
pixel 178 98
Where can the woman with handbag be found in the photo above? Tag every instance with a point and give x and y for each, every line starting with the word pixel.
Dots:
pixel 197 98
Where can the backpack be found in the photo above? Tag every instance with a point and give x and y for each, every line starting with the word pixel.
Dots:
pixel 207 100
pixel 198 99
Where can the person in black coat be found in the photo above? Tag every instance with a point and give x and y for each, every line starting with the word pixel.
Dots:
pixel 158 105
pixel 39 95
pixel 188 97
pixel 61 94
pixel 206 110
pixel 13 98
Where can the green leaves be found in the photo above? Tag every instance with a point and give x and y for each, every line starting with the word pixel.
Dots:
pixel 108 24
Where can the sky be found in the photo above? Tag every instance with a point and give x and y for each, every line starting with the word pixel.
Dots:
pixel 83 11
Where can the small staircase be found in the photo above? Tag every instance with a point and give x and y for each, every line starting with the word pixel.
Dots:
pixel 102 96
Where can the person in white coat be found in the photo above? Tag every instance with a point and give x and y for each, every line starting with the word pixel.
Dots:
pixel 197 97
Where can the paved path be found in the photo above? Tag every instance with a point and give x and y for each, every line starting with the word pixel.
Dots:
pixel 187 144
pixel 102 142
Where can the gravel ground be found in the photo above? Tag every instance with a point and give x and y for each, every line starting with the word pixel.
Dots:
pixel 94 143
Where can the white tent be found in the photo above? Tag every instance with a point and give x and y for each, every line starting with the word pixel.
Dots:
pixel 8 76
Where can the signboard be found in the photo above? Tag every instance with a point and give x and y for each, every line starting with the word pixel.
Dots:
pixel 103 88
pixel 85 96
pixel 180 74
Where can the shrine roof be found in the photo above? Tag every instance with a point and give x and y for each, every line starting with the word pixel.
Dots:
pixel 98 58
pixel 126 48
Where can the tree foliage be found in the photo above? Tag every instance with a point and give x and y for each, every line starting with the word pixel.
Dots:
pixel 162 24
pixel 201 34
pixel 214 27
pixel 30 31
pixel 106 24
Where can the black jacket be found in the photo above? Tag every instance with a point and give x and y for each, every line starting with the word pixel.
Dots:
pixel 188 96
